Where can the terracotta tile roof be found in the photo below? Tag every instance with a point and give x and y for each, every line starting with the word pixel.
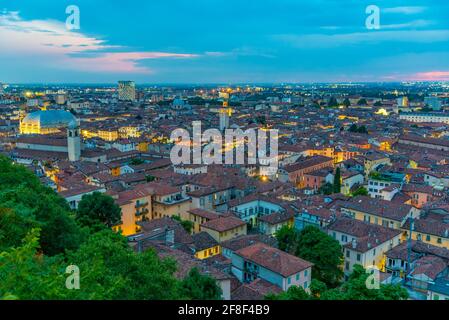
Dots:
pixel 378 207
pixel 429 225
pixel 367 235
pixel 274 259
pixel 430 266
pixel 255 290
pixel 223 224
pixel 210 215
pixel 277 217
pixel 244 241
pixel 203 240
pixel 306 163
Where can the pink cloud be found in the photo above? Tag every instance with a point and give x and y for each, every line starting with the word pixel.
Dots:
pixel 49 43
pixel 432 76
pixel 121 61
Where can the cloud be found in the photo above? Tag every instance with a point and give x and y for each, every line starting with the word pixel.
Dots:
pixel 412 24
pixel 242 52
pixel 404 10
pixel 52 45
pixel 431 76
pixel 122 61
pixel 371 37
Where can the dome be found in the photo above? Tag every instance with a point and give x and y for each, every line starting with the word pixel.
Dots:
pixel 49 119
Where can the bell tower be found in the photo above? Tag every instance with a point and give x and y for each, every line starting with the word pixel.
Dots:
pixel 74 141
pixel 225 113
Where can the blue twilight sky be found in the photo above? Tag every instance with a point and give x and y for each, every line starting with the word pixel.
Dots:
pixel 226 41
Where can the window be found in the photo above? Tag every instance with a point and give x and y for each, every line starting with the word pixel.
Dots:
pixel 348 254
pixel 427 238
pixel 305 285
pixel 439 240
pixel 297 276
pixel 358 256
pixel 344 238
pixel 347 265
pixel 289 280
pixel 305 273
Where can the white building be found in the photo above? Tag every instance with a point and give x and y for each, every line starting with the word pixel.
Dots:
pixel 425 117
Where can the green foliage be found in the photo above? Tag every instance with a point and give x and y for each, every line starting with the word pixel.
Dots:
pixel 293 293
pixel 199 287
pixel 333 103
pixel 149 178
pixel 337 181
pixel 39 239
pixel 346 102
pixel 354 289
pixel 28 204
pixel 362 102
pixel 287 238
pixel 354 128
pixel 186 224
pixel 362 129
pixel 110 269
pixel 360 192
pixel 26 274
pixel 136 161
pixel 326 189
pixel 324 252
pixel 317 247
pixel 98 209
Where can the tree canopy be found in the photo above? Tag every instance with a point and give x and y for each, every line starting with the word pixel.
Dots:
pixel 355 288
pixel 313 245
pixel 40 238
pixel 98 208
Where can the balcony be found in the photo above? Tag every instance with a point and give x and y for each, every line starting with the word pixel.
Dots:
pixel 141 212
pixel 141 204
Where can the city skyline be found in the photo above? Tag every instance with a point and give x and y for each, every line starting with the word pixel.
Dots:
pixel 224 42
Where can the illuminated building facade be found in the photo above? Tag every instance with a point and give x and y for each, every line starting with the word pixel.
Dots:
pixel 46 122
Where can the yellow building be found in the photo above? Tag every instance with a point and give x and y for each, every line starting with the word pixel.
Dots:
pixel 225 228
pixel 108 134
pixel 200 216
pixel 129 132
pixel 205 246
pixel 373 160
pixel 143 146
pixel 135 206
pixel 428 231
pixel 379 211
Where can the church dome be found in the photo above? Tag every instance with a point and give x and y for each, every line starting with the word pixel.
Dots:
pixel 46 121
pixel 50 118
